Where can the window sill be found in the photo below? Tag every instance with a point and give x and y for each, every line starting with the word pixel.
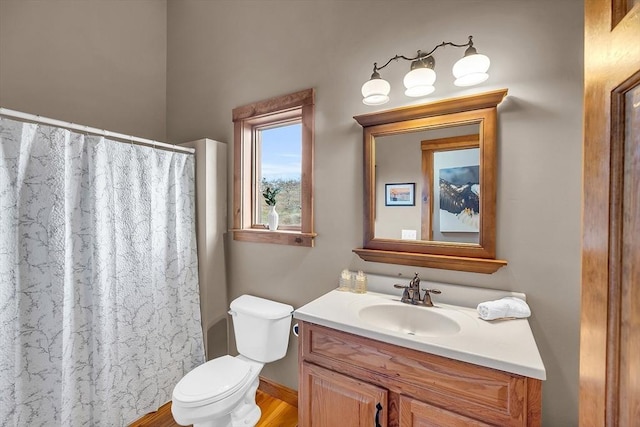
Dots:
pixel 291 238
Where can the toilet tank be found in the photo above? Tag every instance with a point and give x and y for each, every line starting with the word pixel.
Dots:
pixel 261 327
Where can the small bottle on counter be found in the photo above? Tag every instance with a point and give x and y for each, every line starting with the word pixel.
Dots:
pixel 360 286
pixel 345 281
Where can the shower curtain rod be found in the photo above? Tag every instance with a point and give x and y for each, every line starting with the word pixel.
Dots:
pixel 87 129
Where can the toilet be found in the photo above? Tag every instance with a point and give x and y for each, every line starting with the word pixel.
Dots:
pixel 222 391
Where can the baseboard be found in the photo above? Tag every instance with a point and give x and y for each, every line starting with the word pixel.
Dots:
pixel 279 391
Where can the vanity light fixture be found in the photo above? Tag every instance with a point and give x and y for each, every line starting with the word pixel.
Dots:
pixel 470 70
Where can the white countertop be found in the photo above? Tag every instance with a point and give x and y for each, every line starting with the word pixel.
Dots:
pixel 507 345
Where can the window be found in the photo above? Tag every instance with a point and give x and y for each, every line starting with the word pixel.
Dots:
pixel 279 165
pixel 273 146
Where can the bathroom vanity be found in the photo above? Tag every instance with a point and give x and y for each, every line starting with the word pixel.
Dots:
pixel 371 360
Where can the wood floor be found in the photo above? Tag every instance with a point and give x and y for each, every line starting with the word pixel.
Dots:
pixel 275 413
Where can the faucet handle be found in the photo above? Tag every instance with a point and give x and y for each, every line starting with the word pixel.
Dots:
pixel 406 298
pixel 427 298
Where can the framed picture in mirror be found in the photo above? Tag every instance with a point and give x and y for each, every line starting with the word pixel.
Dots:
pixel 400 194
pixel 459 199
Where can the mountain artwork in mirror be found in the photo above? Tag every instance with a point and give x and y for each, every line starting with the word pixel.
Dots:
pixel 448 148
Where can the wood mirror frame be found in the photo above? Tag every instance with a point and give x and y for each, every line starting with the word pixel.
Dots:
pixel 479 258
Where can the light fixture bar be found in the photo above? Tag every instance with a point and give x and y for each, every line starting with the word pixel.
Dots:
pixel 469 71
pixel 422 54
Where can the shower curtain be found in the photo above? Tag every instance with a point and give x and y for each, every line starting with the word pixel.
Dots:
pixel 99 303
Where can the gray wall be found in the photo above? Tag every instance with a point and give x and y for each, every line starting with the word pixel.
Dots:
pixel 96 63
pixel 224 54
pixel 110 73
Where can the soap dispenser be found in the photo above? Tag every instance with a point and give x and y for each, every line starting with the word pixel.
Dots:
pixel 361 283
pixel 345 281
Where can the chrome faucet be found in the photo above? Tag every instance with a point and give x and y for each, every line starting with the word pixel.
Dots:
pixel 411 294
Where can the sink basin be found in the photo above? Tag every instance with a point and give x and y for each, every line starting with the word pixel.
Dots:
pixel 411 320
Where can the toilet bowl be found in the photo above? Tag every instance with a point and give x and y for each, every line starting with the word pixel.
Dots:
pixel 221 392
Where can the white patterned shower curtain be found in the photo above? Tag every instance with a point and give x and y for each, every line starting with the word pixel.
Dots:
pixel 99 303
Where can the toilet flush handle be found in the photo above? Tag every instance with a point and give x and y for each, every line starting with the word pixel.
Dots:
pixel 231 312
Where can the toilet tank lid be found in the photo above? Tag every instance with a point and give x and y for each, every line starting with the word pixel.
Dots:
pixel 260 307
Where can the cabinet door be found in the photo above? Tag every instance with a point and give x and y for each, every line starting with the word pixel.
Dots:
pixel 414 413
pixel 329 399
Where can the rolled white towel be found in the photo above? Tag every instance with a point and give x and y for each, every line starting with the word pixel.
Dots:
pixel 505 307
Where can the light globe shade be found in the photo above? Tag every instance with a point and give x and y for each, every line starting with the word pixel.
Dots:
pixel 376 92
pixel 471 70
pixel 418 91
pixel 419 82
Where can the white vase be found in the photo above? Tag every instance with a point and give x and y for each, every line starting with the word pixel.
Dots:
pixel 273 218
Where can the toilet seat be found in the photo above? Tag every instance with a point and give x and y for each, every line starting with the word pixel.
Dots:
pixel 212 381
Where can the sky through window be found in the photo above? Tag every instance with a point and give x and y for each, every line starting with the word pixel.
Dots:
pixel 282 152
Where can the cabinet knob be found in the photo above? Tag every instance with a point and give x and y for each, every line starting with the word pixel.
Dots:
pixel 378 409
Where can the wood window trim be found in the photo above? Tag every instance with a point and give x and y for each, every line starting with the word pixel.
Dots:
pixel 245 119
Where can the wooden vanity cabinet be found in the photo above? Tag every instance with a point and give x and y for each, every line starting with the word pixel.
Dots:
pixel 339 400
pixel 344 376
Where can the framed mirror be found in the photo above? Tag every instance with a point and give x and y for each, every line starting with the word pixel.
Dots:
pixel 430 184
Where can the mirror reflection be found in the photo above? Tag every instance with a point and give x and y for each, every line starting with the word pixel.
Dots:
pixel 427 185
